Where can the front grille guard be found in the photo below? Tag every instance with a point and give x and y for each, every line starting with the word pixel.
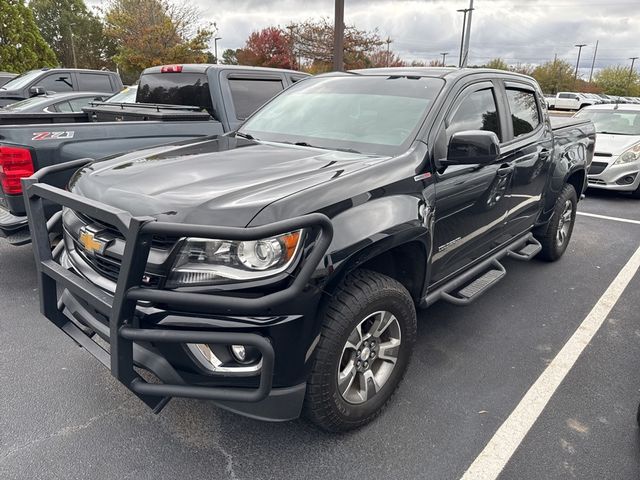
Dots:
pixel 120 308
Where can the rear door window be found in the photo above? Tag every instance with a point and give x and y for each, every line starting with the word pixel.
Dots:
pixel 57 82
pixel 525 115
pixel 249 94
pixel 94 82
pixel 477 111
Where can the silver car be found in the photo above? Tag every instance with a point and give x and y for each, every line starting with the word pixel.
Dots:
pixel 616 161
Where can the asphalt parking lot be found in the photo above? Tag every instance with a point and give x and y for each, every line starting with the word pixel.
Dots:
pixel 62 416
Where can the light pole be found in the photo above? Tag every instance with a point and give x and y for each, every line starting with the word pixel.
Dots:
pixel 633 62
pixel 593 63
pixel 464 25
pixel 444 58
pixel 338 37
pixel 467 36
pixel 73 48
pixel 215 47
pixel 575 78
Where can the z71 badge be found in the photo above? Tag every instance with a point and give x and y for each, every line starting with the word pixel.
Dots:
pixel 52 135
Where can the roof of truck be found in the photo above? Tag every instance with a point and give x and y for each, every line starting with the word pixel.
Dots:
pixel 203 67
pixel 439 72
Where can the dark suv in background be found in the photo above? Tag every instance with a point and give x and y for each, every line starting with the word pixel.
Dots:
pixel 58 80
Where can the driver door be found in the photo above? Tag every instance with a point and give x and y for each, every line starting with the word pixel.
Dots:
pixel 470 210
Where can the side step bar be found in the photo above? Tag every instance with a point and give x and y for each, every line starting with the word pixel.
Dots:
pixel 470 285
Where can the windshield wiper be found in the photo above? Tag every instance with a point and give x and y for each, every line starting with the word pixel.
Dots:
pixel 305 144
pixel 248 136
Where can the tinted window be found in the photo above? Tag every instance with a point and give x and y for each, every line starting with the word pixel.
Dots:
pixel 524 111
pixel 78 104
pixel 190 89
pixel 94 82
pixel 249 95
pixel 476 112
pixel 58 82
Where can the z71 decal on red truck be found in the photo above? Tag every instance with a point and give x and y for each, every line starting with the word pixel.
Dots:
pixel 52 135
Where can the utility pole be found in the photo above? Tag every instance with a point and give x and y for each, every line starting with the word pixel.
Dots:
pixel 388 42
pixel 633 61
pixel 444 58
pixel 464 25
pixel 467 36
pixel 338 37
pixel 215 47
pixel 73 49
pixel 593 63
pixel 575 77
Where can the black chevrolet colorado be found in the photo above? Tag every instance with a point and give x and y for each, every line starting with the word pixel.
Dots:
pixel 276 270
pixel 173 103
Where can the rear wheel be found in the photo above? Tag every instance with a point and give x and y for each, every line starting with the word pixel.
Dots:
pixel 363 352
pixel 557 234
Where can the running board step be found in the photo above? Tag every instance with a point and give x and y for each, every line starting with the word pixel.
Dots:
pixel 476 287
pixel 526 253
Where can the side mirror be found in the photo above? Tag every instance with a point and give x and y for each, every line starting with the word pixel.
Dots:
pixel 473 147
pixel 37 91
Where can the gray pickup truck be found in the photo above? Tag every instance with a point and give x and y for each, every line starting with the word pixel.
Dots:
pixel 174 103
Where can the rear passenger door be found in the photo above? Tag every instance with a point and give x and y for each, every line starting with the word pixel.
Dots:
pixel 94 82
pixel 528 151
pixel 470 210
pixel 248 92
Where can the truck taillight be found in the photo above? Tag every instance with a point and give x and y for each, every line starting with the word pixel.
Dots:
pixel 15 163
pixel 171 69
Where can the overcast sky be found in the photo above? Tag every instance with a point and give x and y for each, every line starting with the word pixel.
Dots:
pixel 519 31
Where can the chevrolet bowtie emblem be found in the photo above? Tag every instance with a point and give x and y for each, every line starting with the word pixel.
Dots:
pixel 90 243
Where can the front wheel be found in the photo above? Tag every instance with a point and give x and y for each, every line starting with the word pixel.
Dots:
pixel 557 234
pixel 364 348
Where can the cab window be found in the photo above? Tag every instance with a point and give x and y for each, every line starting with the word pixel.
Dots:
pixel 58 82
pixel 477 111
pixel 525 116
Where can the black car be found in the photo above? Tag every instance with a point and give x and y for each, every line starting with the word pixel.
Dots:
pixel 58 80
pixel 276 270
pixel 55 103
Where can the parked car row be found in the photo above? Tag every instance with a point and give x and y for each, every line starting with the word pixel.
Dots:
pixel 577 101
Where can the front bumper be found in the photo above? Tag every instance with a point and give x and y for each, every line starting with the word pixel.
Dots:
pixel 613 177
pixel 149 328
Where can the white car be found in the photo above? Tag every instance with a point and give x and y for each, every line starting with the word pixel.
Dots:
pixel 616 161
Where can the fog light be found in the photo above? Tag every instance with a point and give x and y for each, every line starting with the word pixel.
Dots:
pixel 239 352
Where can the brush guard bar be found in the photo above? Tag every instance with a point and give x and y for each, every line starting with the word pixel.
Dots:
pixel 120 308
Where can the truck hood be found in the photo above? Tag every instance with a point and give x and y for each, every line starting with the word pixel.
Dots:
pixel 615 144
pixel 223 181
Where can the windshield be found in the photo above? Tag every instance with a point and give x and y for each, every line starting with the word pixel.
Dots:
pixel 128 95
pixel 370 114
pixel 617 122
pixel 28 104
pixel 21 81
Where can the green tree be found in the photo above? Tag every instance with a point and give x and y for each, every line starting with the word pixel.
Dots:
pixel 230 56
pixel 75 34
pixel 155 32
pixel 21 44
pixel 555 76
pixel 618 80
pixel 498 64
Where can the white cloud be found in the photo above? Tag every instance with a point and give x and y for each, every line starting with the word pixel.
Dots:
pixel 520 31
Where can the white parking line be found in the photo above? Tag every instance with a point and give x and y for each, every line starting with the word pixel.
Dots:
pixel 605 217
pixel 503 444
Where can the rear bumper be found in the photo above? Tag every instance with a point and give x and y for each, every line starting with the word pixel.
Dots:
pixel 14 228
pixel 153 329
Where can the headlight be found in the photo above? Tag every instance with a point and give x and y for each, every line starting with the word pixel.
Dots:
pixel 203 261
pixel 631 155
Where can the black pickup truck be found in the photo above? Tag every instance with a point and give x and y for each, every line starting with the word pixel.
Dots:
pixel 277 270
pixel 174 103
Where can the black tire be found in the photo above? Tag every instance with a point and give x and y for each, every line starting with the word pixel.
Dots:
pixel 636 193
pixel 552 248
pixel 362 294
pixel 638 416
